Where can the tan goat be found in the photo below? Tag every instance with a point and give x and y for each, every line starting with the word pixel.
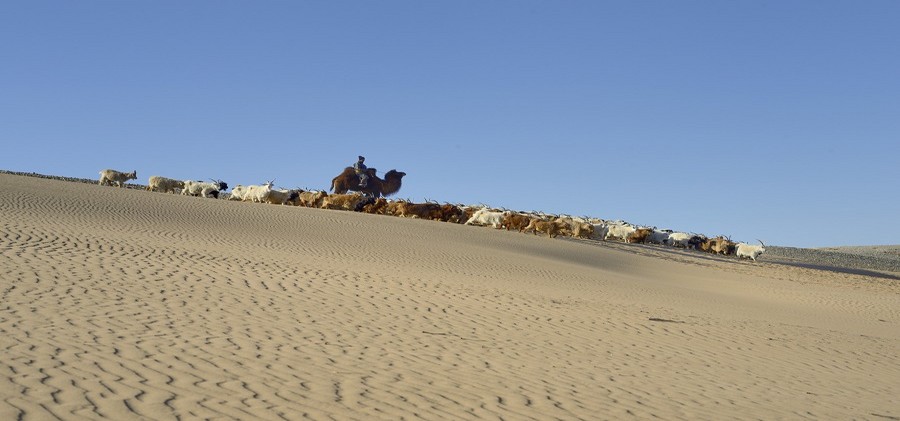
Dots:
pixel 108 177
pixel 343 201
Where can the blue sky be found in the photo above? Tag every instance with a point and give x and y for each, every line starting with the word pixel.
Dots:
pixel 776 120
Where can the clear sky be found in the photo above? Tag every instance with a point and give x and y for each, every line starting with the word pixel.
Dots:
pixel 777 120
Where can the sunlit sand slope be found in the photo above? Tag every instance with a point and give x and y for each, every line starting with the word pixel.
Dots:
pixel 123 304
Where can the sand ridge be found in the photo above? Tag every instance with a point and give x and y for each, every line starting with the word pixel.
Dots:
pixel 123 304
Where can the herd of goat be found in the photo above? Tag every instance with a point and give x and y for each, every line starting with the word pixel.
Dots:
pixel 534 222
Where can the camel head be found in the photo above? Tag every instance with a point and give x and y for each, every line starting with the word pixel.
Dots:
pixel 394 173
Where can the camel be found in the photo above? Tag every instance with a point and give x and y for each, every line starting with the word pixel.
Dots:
pixel 376 187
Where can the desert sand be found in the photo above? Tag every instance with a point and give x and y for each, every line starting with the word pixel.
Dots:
pixel 122 304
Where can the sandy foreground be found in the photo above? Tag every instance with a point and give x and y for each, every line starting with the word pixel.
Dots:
pixel 121 304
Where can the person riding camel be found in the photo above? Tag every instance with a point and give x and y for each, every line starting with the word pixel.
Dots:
pixel 360 169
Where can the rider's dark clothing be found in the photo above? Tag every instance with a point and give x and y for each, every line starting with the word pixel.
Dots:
pixel 361 171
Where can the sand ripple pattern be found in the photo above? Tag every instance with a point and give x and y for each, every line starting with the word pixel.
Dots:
pixel 121 304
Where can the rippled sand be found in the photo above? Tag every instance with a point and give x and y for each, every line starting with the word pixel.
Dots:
pixel 122 304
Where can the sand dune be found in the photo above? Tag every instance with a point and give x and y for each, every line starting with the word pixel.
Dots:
pixel 122 304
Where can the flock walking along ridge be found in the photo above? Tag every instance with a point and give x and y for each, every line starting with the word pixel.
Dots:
pixel 368 197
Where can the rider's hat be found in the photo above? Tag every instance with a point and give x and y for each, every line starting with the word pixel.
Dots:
pixel 362 158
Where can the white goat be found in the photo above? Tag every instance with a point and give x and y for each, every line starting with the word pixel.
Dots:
pixel 600 230
pixel 108 177
pixel 238 193
pixel 619 231
pixel 203 189
pixel 679 239
pixel 750 251
pixel 282 196
pixel 259 194
pixel 163 184
pixel 658 237
pixel 486 217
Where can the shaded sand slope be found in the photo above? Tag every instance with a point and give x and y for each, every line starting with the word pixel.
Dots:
pixel 122 304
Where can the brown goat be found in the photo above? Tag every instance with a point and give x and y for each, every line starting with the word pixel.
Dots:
pixel 639 235
pixel 582 229
pixel 452 213
pixel 419 210
pixel 719 245
pixel 377 207
pixel 311 199
pixel 516 221
pixel 551 228
pixel 343 201
pixel 393 207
